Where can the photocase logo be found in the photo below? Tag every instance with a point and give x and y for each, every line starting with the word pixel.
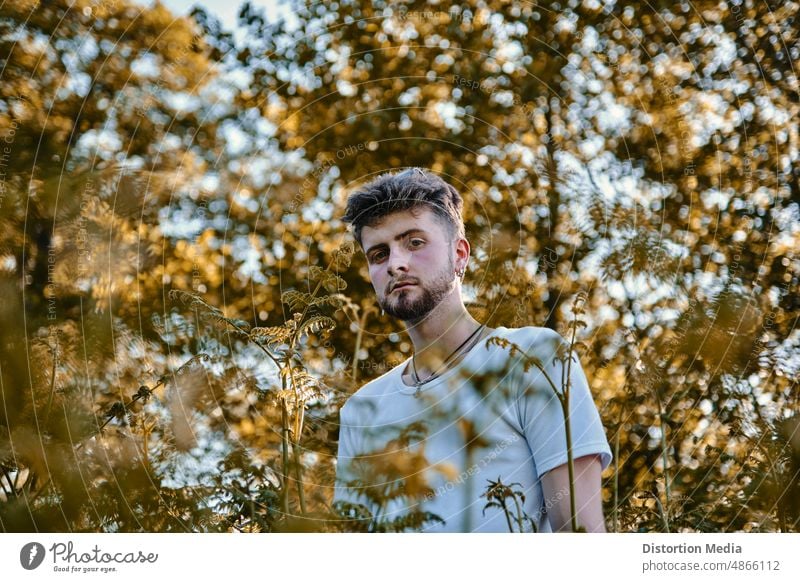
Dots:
pixel 31 555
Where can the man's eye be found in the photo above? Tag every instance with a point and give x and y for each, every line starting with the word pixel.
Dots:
pixel 377 257
pixel 417 242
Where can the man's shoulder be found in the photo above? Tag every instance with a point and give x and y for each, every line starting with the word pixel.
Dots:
pixel 528 343
pixel 531 336
pixel 376 388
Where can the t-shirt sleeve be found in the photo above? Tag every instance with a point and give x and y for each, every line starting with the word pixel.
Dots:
pixel 541 413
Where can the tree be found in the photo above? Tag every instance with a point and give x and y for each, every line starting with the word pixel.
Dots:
pixel 621 136
pixel 94 135
pixel 186 313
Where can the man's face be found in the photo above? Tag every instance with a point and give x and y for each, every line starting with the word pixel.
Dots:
pixel 412 247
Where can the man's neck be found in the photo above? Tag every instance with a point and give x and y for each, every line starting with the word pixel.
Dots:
pixel 441 332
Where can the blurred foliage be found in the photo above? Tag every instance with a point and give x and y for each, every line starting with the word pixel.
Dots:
pixel 642 155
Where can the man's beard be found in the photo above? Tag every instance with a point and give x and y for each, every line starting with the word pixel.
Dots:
pixel 413 310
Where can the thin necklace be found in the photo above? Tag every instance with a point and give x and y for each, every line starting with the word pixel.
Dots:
pixel 419 383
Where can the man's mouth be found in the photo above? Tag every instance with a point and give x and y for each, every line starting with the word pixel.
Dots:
pixel 402 286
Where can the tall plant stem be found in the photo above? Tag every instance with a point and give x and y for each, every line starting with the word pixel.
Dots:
pixel 359 335
pixel 285 458
pixel 665 460
pixel 520 519
pixel 565 385
pixel 298 475
pixel 296 431
pixel 616 480
pixel 508 516
pixel 52 384
pixel 571 467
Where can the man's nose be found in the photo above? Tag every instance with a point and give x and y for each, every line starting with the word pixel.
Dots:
pixel 397 262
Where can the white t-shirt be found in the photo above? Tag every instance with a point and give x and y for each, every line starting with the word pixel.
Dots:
pixel 512 418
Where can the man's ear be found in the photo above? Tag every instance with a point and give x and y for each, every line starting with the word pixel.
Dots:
pixel 462 251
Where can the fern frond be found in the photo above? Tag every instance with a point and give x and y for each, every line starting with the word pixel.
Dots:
pixel 287 395
pixel 296 300
pixel 210 312
pixel 192 362
pixel 235 326
pixel 271 335
pixel 191 300
pixel 306 386
pixel 315 272
pixel 333 283
pixel 414 521
pixel 353 513
pixel 315 324
pixel 343 256
pixel 499 341
pixel 504 343
pixel 582 346
pixel 334 300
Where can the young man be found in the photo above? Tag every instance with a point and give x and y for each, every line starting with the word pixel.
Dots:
pixel 462 425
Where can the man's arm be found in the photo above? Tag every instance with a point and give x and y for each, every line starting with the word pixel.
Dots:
pixel 588 496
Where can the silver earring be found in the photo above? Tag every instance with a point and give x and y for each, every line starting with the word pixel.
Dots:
pixel 460 272
pixel 382 312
